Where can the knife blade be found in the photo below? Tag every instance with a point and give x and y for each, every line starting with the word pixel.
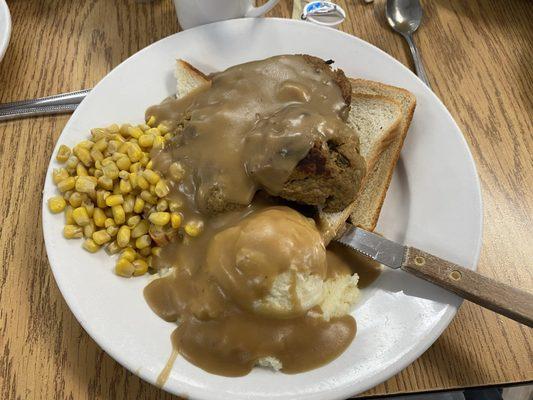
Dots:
pixel 496 296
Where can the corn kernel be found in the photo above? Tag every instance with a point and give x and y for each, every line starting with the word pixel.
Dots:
pixel 142 182
pixel 124 186
pixel 113 128
pixel 101 195
pixel 118 214
pixel 110 170
pixel 86 184
pixel 114 200
pixel 143 242
pixel 63 153
pixel 89 206
pixel 90 246
pixel 66 184
pixel 162 128
pixel 132 177
pixel 161 188
pixel 135 167
pixel 124 163
pixel 146 140
pixel 80 216
pixel 148 197
pixel 138 206
pixel 135 132
pixel 59 174
pixel 168 136
pixel 140 229
pixel 99 217
pixel 109 222
pixel 89 229
pixel 140 267
pixel 67 194
pixel 151 121
pixel 72 232
pixel 98 133
pixel 156 251
pixel 75 199
pixel 194 228
pixel 159 218
pixel 129 254
pixel 124 268
pixel 112 146
pixel 124 129
pixel 175 205
pixel 129 202
pixel 96 155
pixel 72 162
pixel 159 142
pixel 151 176
pixel 105 182
pixel 145 252
pixel 112 230
pixel 69 219
pixel 162 205
pixel 56 204
pixel 116 188
pixel 123 236
pixel 101 237
pixel 85 144
pixel 175 220
pixel 83 155
pixel 134 220
pixel 100 145
pixel 112 248
pixel 176 171
pixel 152 191
pixel 108 213
pixel 134 152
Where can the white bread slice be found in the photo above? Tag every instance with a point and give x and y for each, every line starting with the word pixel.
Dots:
pixel 381 115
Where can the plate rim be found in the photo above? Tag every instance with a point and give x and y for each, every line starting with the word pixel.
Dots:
pixel 4 8
pixel 341 392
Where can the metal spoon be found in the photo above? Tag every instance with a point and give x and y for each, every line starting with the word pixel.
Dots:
pixel 404 17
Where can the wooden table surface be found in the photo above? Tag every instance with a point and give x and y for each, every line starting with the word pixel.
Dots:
pixel 478 56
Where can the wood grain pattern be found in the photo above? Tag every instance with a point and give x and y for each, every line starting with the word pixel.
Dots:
pixel 478 56
pixel 496 296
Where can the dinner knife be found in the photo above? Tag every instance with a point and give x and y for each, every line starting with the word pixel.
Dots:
pixel 496 296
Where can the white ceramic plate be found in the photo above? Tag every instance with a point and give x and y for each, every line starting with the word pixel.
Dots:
pixel 433 203
pixel 5 27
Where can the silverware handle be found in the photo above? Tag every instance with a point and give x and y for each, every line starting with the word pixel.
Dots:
pixel 419 67
pixel 55 100
pixel 22 112
pixel 496 296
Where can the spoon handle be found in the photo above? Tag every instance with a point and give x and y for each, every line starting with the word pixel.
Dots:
pixel 419 67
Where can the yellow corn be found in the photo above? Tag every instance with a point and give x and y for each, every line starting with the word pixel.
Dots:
pixel 159 142
pixel 145 252
pixel 105 183
pixel 140 229
pixel 159 218
pixel 118 214
pixel 89 229
pixel 92 171
pixel 66 184
pixel 143 242
pixel 69 219
pixel 100 145
pixel 151 176
pixel 138 205
pixel 89 206
pixel 96 154
pixel 129 254
pixel 124 186
pixel 86 184
pixel 75 199
pixel 114 200
pixel 98 133
pixel 59 174
pixel 85 144
pixel 98 173
pixel 112 146
pixel 80 216
pixel 152 190
pixel 124 268
pixel 175 220
pixel 134 220
pixel 175 205
pixel 90 246
pixel 140 267
pixel 101 237
pixel 56 204
pixel 135 132
pixel 72 232
pixel 99 217
pixel 124 175
pixel 112 248
pixel 123 236
pixel 124 163
pixel 81 170
pixel 83 155
pixel 162 128
pixel 110 170
pixel 101 195
pixel 156 251
pixel 124 129
pixel 135 167
pixel 109 222
pixel 148 197
pixel 162 205
pixel 63 153
pixel 146 140
pixel 194 228
pixel 142 182
pixel 67 194
pixel 134 152
pixel 72 162
pixel 176 171
pixel 151 121
pixel 168 136
pixel 161 188
pixel 113 128
pixel 132 177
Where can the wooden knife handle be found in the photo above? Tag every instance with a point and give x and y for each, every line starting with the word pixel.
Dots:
pixel 503 299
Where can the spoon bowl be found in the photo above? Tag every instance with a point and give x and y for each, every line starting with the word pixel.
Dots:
pixel 404 16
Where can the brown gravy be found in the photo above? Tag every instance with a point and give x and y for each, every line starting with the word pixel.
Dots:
pixel 243 289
